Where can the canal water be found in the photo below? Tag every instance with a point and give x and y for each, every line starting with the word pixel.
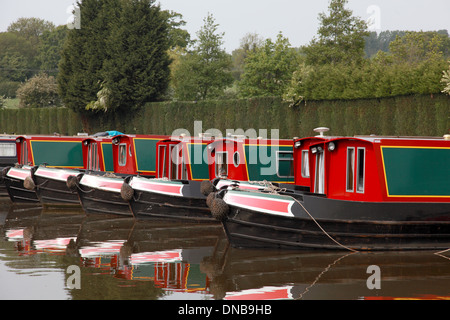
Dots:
pixel 60 253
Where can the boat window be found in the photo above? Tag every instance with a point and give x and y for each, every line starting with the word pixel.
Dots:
pixel 122 154
pixel 319 181
pixel 236 159
pixel 350 168
pixel 7 150
pixel 221 164
pixel 360 173
pixel 285 164
pixel 305 164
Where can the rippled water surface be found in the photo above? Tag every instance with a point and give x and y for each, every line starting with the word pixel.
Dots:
pixel 60 253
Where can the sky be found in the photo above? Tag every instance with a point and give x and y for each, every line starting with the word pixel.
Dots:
pixel 296 19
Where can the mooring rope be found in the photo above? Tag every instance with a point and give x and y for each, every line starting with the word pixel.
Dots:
pixel 323 230
pixel 300 296
pixel 441 253
pixel 276 190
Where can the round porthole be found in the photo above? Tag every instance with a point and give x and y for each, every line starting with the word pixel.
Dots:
pixel 236 159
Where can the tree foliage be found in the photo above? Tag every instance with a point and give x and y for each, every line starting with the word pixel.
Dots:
pixel 204 72
pixel 120 52
pixel 39 91
pixel 340 36
pixel 335 67
pixel 268 69
pixel 446 80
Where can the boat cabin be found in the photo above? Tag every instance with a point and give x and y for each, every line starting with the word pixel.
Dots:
pixel 237 158
pixel 8 151
pixel 135 154
pixel 183 158
pixel 97 154
pixel 54 151
pixel 376 168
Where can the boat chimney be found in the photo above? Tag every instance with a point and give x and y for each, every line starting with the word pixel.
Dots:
pixel 321 130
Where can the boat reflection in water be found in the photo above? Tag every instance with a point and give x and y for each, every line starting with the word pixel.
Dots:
pixel 125 258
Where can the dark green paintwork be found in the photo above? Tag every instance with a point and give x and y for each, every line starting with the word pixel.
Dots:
pixel 198 160
pixel 417 171
pixel 108 156
pixel 262 163
pixel 67 154
pixel 145 154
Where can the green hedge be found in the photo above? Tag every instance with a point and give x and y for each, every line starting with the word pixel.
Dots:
pixel 415 115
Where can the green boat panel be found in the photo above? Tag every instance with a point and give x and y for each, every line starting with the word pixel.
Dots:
pixel 67 154
pixel 271 163
pixel 198 161
pixel 145 150
pixel 417 171
pixel 108 157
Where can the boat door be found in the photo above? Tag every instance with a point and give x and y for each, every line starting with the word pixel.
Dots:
pixel 318 156
pixel 226 159
pixel 22 150
pixel 169 155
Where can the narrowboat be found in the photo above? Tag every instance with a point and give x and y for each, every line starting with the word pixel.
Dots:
pixel 8 157
pixel 176 190
pixel 33 151
pixel 186 166
pixel 131 155
pixel 51 182
pixel 365 193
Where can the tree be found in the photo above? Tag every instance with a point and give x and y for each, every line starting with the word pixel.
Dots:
pixel 341 37
pixel 204 72
pixel 248 44
pixel 39 91
pixel 136 70
pixel 446 80
pixel 119 53
pixel 268 69
pixel 50 47
pixel 84 53
pixel 17 62
pixel 31 29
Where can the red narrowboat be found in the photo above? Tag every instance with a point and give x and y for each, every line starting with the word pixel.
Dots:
pixel 131 155
pixel 365 193
pixel 176 192
pixel 186 166
pixel 32 151
pixel 8 158
pixel 51 183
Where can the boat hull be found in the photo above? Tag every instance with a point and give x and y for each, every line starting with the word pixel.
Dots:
pixel 99 194
pixel 14 182
pixel 312 221
pixel 51 186
pixel 177 199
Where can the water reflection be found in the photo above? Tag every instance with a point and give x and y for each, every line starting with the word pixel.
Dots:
pixel 124 258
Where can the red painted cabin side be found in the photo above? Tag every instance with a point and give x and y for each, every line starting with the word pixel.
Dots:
pixel 182 158
pixel 26 155
pixel 226 158
pixel 135 154
pixel 97 154
pixel 376 169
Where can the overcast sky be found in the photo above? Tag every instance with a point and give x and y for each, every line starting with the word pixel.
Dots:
pixel 296 19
